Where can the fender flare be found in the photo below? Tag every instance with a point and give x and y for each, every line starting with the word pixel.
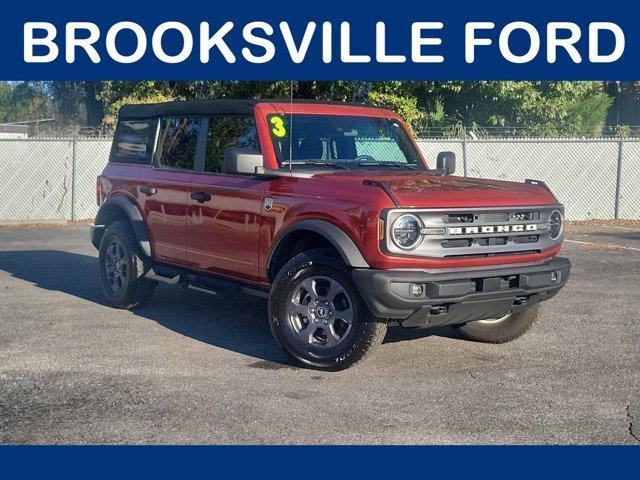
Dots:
pixel 347 249
pixel 135 217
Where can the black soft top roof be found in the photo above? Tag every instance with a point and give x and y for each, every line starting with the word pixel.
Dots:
pixel 191 107
pixel 207 107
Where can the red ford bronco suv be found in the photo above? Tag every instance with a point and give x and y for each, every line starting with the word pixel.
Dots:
pixel 332 213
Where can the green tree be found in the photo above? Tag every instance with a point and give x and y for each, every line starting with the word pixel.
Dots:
pixel 24 101
pixel 531 108
pixel 5 100
pixel 77 103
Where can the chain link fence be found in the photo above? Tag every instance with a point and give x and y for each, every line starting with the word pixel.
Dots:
pixel 594 178
pixel 54 179
pixel 50 179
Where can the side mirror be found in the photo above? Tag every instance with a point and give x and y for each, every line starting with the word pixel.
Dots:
pixel 242 161
pixel 446 162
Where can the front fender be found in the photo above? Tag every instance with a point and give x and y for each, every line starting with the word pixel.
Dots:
pixel 346 247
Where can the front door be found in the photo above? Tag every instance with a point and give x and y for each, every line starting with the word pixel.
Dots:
pixel 224 224
pixel 225 208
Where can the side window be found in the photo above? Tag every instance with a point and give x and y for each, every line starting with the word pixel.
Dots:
pixel 130 142
pixel 226 132
pixel 177 142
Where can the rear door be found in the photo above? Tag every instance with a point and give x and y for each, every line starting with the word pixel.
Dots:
pixel 225 208
pixel 164 187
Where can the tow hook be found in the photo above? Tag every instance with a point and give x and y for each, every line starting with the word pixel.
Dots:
pixel 520 301
pixel 438 310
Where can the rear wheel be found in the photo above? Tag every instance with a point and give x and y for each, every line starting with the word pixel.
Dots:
pixel 122 268
pixel 501 330
pixel 317 315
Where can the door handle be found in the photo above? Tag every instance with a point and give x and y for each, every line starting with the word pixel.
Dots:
pixel 148 191
pixel 200 197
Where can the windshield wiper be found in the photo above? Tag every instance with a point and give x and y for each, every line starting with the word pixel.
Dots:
pixel 369 163
pixel 325 163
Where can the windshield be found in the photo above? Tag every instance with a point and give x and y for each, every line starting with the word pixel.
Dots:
pixel 341 142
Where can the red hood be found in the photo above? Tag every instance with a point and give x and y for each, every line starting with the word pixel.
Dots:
pixel 431 191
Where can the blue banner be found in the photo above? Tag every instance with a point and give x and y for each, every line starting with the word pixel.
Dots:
pixel 327 40
pixel 321 462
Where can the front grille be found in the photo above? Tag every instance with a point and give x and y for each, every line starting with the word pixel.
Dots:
pixel 526 239
pixel 492 241
pixel 482 232
pixel 458 218
pixel 456 243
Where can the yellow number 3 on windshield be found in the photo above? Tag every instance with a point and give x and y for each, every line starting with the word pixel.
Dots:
pixel 278 127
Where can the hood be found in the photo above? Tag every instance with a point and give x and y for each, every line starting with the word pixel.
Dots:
pixel 433 191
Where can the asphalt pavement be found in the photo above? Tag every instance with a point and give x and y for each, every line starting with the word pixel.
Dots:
pixel 193 368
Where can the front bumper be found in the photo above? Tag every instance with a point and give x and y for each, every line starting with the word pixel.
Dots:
pixel 461 296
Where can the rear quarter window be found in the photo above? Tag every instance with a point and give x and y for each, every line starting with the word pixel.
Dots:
pixel 131 142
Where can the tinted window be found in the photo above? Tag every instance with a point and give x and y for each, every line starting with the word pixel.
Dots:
pixel 226 132
pixel 130 141
pixel 177 142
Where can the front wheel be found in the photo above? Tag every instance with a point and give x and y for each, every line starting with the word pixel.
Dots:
pixel 317 316
pixel 501 330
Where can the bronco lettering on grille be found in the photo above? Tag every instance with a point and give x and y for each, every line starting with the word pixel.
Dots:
pixel 485 229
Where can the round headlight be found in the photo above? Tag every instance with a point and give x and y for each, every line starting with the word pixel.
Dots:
pixel 555 224
pixel 405 231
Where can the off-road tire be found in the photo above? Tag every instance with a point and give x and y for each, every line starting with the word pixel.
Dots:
pixel 366 332
pixel 136 290
pixel 512 327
